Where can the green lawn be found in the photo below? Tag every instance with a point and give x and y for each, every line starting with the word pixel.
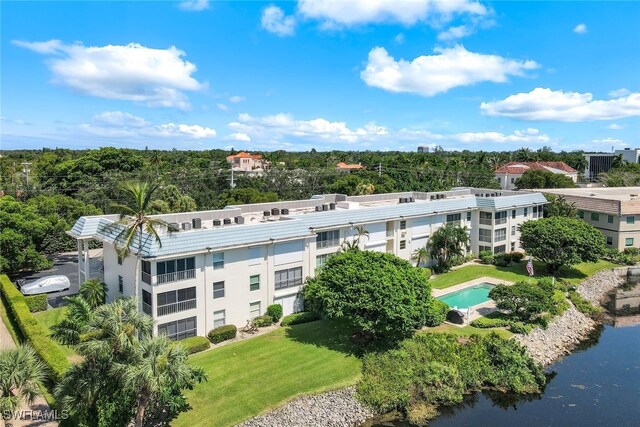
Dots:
pixel 515 273
pixel 51 317
pixel 465 331
pixel 249 377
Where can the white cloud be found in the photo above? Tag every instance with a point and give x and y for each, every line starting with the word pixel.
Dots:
pixel 222 107
pixel 454 33
pixel 155 77
pixel 619 93
pixel 615 126
pixel 340 13
pixel 275 21
pixel 238 136
pixel 399 38
pixel 118 124
pixel 194 5
pixel 235 99
pixel 609 141
pixel 433 74
pixel 546 104
pixel 580 29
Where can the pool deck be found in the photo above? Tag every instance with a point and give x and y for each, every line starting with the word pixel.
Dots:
pixel 478 310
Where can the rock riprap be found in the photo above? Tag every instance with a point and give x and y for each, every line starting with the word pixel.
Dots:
pixel 338 408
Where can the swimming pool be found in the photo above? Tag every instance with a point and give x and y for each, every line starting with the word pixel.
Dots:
pixel 468 297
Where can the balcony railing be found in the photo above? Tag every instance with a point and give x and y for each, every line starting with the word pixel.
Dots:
pixel 146 308
pixel 501 221
pixel 189 304
pixel 146 278
pixel 485 221
pixel 176 276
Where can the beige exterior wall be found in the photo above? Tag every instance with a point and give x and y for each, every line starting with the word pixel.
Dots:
pixel 615 228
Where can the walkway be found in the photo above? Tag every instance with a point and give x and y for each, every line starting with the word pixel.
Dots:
pixel 39 406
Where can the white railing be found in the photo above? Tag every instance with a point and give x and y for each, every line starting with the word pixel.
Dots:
pixel 175 276
pixel 146 309
pixel 189 304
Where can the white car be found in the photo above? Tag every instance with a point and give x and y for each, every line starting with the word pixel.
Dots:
pixel 46 285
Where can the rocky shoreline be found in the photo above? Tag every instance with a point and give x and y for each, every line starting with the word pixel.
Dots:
pixel 566 331
pixel 340 408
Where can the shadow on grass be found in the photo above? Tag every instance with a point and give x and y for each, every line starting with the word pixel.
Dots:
pixel 540 269
pixel 335 335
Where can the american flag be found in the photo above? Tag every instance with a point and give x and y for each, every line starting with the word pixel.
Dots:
pixel 530 266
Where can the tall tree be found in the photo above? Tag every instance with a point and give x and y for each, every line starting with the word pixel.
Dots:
pixel 420 256
pixel 446 243
pixel 94 292
pixel 559 206
pixel 79 314
pixel 21 376
pixel 134 222
pixel 559 241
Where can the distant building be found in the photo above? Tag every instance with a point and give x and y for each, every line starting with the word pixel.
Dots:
pixel 247 162
pixel 615 211
pixel 423 149
pixel 509 173
pixel 598 163
pixel 344 167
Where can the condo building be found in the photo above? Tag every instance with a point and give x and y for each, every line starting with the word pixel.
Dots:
pixel 226 266
pixel 615 211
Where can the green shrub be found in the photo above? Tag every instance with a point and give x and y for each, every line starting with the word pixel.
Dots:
pixel 195 344
pixel 222 333
pixel 486 323
pixel 583 305
pixel 297 318
pixel 523 301
pixel 560 303
pixel 48 350
pixel 516 256
pixel 36 302
pixel 632 251
pixel 627 257
pixel 427 272
pixel 262 321
pixel 502 259
pixel 436 312
pixel 275 311
pixel 520 328
pixel 486 257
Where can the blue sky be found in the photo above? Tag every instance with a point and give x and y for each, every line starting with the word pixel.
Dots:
pixel 321 74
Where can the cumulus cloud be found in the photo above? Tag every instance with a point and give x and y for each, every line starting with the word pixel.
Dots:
pixel 429 75
pixel 119 124
pixel 340 13
pixel 194 5
pixel 155 77
pixel 275 21
pixel 617 93
pixel 454 33
pixel 235 99
pixel 546 104
pixel 580 29
pixel 399 38
pixel 615 126
pixel 238 136
pixel 222 107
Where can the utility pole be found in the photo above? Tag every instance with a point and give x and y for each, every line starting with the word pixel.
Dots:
pixel 233 183
pixel 379 169
pixel 26 168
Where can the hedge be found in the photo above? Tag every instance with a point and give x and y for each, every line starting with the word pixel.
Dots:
pixel 582 305
pixel 48 350
pixel 275 311
pixel 437 312
pixel 37 302
pixel 515 327
pixel 297 318
pixel 262 321
pixel 222 333
pixel 195 344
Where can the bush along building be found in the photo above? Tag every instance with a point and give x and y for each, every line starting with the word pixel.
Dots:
pixel 226 266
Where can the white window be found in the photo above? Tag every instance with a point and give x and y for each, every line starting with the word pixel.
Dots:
pixel 501 217
pixel 485 218
pixel 254 282
pixel 403 225
pixel 219 318
pixel 500 235
pixel 218 261
pixel 254 309
pixel 288 278
pixel 403 244
pixel 484 235
pixel 326 239
pixel 322 260
pixel 218 290
pixel 513 230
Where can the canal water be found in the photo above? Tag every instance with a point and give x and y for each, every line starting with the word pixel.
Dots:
pixel 597 385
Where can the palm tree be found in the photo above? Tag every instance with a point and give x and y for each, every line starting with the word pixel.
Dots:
pixel 618 161
pixel 447 242
pixel 21 376
pixel 94 292
pixel 134 222
pixel 79 313
pixel 420 256
pixel 348 245
pixel 161 366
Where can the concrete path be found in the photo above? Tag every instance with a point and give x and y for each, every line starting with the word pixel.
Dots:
pixel 39 409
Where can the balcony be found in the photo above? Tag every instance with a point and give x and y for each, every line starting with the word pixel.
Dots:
pixel 189 304
pixel 146 308
pixel 146 278
pixel 176 276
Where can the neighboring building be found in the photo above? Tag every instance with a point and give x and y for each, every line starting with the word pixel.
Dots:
pixel 509 173
pixel 246 162
pixel 344 167
pixel 598 163
pixel 423 149
pixel 226 266
pixel 615 211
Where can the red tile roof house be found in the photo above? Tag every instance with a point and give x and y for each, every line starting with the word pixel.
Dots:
pixel 507 174
pixel 342 166
pixel 246 162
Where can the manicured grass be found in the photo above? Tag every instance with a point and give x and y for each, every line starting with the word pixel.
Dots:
pixel 516 273
pixel 249 377
pixel 465 331
pixel 51 317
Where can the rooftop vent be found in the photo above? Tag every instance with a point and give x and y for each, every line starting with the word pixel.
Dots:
pixel 186 226
pixel 275 211
pixel 332 206
pixel 174 226
pixel 284 211
pixel 217 223
pixel 226 221
pixel 196 223
pixel 266 213
pixel 239 220
pixel 319 208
